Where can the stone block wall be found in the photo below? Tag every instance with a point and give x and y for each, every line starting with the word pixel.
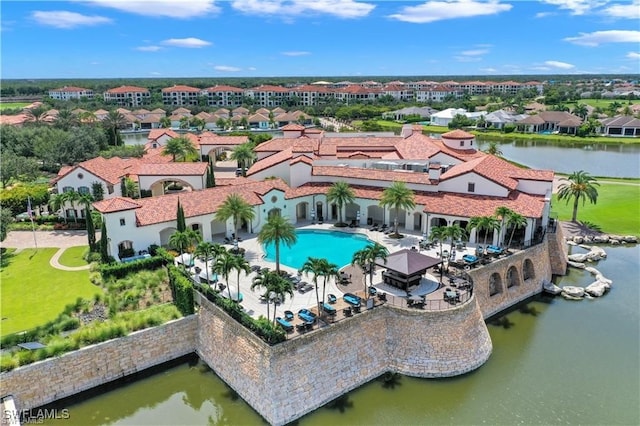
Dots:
pixel 558 252
pixel 537 257
pixel 43 382
pixel 286 381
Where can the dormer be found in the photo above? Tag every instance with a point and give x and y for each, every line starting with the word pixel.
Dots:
pixel 460 140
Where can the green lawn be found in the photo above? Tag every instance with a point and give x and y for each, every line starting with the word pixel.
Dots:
pixel 617 210
pixel 73 256
pixel 13 105
pixel 604 103
pixel 34 293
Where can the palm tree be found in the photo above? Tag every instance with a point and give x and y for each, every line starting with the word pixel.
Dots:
pixel 367 257
pixel 87 199
pixel 315 266
pixel 454 232
pixel 180 241
pixel 581 111
pixel 234 206
pixel 223 266
pixel 579 185
pixel 57 203
pixel 493 149
pixel 165 122
pixel 180 149
pixel 113 122
pixel 72 197
pixel 221 123
pixel 438 233
pixel 503 213
pixel 329 270
pixel 515 221
pixel 398 196
pixel 240 264
pixel 207 251
pixel 277 230
pixel 341 194
pixel 484 223
pixel 279 290
pixel 37 115
pixel 65 120
pixel 244 155
pixel 275 286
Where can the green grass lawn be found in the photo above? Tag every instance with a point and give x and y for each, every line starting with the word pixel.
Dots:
pixel 604 103
pixel 73 256
pixel 34 293
pixel 617 210
pixel 12 105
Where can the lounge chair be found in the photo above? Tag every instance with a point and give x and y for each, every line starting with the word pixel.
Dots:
pixel 307 316
pixel 352 299
pixel 330 310
pixel 356 309
pixel 374 227
pixel 373 291
pixel 332 299
pixel 288 315
pixel 300 328
pixel 284 324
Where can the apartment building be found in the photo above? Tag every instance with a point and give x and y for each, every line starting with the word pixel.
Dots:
pixel 181 95
pixel 128 96
pixel 70 92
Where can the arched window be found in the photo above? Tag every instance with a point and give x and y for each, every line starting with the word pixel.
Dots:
pixel 513 278
pixel 495 284
pixel 528 272
pixel 83 190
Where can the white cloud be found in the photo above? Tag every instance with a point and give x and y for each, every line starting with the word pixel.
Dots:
pixel 544 14
pixel 433 11
pixel 541 68
pixel 288 8
pixel 628 11
pixel 67 20
pixel 560 65
pixel 489 70
pixel 226 68
pixel 170 8
pixel 189 42
pixel 155 73
pixel 476 52
pixel 599 37
pixel 633 55
pixel 151 48
pixel 467 58
pixel 252 68
pixel 296 53
pixel 577 7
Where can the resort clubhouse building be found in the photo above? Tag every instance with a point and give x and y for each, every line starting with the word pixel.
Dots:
pixel 452 181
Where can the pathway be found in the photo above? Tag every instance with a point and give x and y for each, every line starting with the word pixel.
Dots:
pixel 55 262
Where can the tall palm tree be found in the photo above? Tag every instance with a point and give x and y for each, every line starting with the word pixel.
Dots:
pixel 454 232
pixel 223 266
pixel 234 206
pixel 240 264
pixel 206 252
pixel 113 122
pixel 360 259
pixel 280 288
pixel 37 115
pixel 341 194
pixel 165 122
pixel 315 266
pixel 494 149
pixel 180 149
pixel 329 270
pixel 275 287
pixel 57 202
pixel 244 155
pixel 484 223
pixel 367 257
pixel 72 197
pixel 503 213
pixel 398 196
pixel 180 241
pixel 439 234
pixel 278 230
pixel 515 221
pixel 579 185
pixel 581 111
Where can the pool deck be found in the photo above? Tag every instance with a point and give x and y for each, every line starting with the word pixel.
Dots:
pixel 255 307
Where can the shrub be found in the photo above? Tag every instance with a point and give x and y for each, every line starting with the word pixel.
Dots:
pixel 509 128
pixel 91 256
pixel 120 270
pixel 7 363
pixel 182 291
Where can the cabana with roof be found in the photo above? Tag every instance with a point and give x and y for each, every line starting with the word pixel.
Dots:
pixel 406 267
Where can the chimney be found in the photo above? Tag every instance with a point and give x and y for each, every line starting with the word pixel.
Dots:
pixel 434 171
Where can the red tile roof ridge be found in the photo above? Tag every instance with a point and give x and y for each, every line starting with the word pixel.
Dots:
pixel 115 204
pixel 270 161
pixel 172 169
pixel 458 134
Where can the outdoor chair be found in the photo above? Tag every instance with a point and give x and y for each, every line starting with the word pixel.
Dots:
pixel 382 296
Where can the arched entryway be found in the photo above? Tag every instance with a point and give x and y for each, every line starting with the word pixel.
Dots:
pixel 165 234
pixel 528 271
pixel 301 210
pixel 125 249
pixel 274 212
pixel 375 214
pixel 513 277
pixel 417 221
pixel 319 210
pixel 495 284
pixel 218 229
pixel 351 212
pixel 402 217
pixel 438 221
pixel 169 186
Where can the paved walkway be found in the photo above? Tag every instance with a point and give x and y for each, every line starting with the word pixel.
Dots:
pixel 55 262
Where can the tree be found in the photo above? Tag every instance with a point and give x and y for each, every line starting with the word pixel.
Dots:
pixel 515 221
pixel 6 217
pixel 165 122
pixel 221 123
pixel 211 177
pixel 367 257
pixel 72 197
pixel 234 206
pixel 581 111
pixel 493 149
pixel 65 120
pixel 329 270
pixel 16 167
pixel 37 115
pixel 112 123
pixel 179 240
pixel 275 286
pixel 180 148
pixel 341 194
pixel 315 266
pixel 206 252
pixel 104 244
pixel 240 264
pixel 484 223
pixel 454 232
pixel 56 202
pixel 277 230
pixel 97 190
pixel 579 185
pixel 279 289
pixel 244 155
pixel 459 121
pixel 223 266
pixel 503 213
pixel 439 234
pixel 180 220
pixel 87 199
pixel 397 196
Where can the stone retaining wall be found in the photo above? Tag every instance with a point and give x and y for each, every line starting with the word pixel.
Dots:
pixel 558 252
pixel 293 378
pixel 46 381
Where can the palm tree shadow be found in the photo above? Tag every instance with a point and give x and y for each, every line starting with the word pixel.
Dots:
pixel 530 310
pixel 231 394
pixel 391 380
pixel 342 403
pixel 503 322
pixel 5 257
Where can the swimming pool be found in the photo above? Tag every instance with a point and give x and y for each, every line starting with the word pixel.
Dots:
pixel 337 247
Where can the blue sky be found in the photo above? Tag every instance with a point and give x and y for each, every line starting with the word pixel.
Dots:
pixel 261 38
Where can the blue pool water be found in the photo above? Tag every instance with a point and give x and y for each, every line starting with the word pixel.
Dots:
pixel 336 247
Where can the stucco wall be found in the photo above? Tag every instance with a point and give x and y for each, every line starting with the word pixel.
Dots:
pixel 46 381
pixel 307 372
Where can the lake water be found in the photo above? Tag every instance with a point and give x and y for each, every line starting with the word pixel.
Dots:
pixel 558 362
pixel 611 160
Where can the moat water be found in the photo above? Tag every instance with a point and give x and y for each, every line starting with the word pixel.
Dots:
pixel 553 362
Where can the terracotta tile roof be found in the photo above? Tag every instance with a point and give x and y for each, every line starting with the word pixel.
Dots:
pixel 180 88
pixel 270 161
pixel 532 174
pixel 173 169
pixel 198 203
pixel 270 88
pixel 127 89
pixel 257 118
pixel 458 134
pixel 115 205
pixel 302 159
pixel 488 166
pixel 533 119
pixel 262 111
pixel 210 138
pixel 292 126
pixel 275 145
pixel 372 174
pixel 69 89
pixel 222 88
pixel 305 145
pixel 110 170
pixel 155 134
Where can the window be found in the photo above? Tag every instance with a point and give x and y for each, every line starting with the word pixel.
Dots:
pixel 471 187
pixel 83 190
pixel 461 143
pixel 110 189
pixel 80 175
pixel 67 189
pixel 122 222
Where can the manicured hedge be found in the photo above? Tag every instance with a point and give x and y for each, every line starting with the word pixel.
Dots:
pixel 182 291
pixel 121 270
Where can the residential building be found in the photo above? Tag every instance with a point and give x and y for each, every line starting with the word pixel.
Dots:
pixel 129 96
pixel 70 92
pixel 223 96
pixel 550 122
pixel 181 95
pixel 623 125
